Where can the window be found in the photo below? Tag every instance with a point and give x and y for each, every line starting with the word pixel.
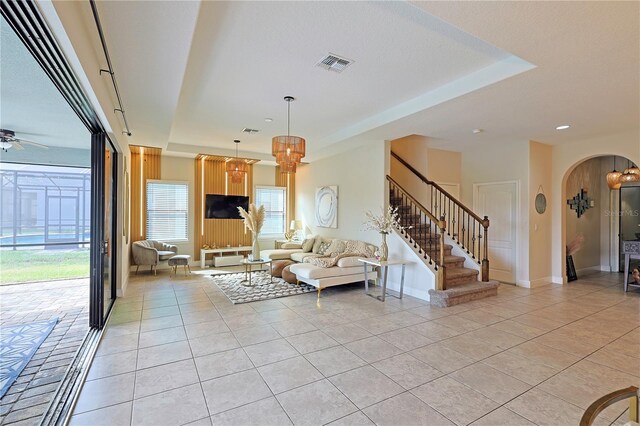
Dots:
pixel 274 200
pixel 167 210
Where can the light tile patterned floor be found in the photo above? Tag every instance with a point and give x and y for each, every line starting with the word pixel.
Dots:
pixel 177 351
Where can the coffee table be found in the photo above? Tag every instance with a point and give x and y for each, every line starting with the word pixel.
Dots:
pixel 248 268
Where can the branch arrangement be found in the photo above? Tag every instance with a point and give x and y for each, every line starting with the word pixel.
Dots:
pixel 575 245
pixel 254 218
pixel 384 222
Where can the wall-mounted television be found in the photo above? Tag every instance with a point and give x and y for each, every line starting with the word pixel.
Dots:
pixel 224 206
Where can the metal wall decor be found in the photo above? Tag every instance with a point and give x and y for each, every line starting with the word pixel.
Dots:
pixel 580 203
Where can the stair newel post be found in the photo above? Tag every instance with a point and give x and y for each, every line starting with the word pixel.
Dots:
pixel 485 255
pixel 442 270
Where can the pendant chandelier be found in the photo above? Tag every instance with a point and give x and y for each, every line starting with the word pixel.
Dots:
pixel 613 178
pixel 631 174
pixel 237 168
pixel 288 150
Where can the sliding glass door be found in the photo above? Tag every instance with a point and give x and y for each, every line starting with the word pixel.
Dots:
pixel 103 236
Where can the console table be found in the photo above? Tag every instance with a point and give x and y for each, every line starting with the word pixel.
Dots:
pixel 384 266
pixel 631 250
pixel 221 251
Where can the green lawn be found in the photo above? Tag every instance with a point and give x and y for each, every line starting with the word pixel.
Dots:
pixel 39 265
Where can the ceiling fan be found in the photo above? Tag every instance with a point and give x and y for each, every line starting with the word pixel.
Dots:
pixel 8 139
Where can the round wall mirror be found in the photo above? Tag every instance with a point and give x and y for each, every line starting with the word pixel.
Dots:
pixel 541 203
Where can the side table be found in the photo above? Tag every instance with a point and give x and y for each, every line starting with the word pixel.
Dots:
pixel 384 266
pixel 248 268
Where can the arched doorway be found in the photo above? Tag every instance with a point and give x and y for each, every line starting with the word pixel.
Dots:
pixel 594 220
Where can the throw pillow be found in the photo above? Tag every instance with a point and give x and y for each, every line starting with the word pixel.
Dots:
pixel 323 248
pixel 307 245
pixel 316 244
pixel 336 247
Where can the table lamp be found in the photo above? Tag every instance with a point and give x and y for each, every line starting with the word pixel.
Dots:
pixel 296 227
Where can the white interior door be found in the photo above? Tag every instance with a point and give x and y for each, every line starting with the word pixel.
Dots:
pixel 498 201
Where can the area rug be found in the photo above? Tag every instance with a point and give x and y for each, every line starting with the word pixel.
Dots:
pixel 18 343
pixel 232 285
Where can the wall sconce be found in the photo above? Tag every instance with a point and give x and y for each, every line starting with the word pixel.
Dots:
pixel 580 203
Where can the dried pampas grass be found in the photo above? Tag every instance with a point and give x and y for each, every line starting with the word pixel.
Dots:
pixel 254 218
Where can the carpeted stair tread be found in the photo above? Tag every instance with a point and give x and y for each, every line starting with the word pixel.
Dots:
pixel 463 293
pixel 461 272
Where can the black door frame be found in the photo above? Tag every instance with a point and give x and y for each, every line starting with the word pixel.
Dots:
pixel 30 26
pixel 97 312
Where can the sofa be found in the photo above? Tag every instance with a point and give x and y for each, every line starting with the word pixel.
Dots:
pixel 325 262
pixel 151 252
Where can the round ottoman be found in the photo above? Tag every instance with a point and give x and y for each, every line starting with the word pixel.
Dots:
pixel 289 276
pixel 278 266
pixel 180 260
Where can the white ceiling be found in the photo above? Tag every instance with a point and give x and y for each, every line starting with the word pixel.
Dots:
pixel 30 104
pixel 193 74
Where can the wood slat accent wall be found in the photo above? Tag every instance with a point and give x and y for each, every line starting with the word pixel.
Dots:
pixel 145 164
pixel 288 181
pixel 210 178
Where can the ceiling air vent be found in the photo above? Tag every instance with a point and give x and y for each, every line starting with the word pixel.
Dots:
pixel 335 63
pixel 250 131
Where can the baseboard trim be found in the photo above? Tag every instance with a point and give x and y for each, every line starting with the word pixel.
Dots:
pixel 535 283
pixel 558 280
pixel 589 268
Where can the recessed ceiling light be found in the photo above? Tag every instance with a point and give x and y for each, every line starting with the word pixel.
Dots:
pixel 268 120
pixel 563 127
pixel 476 131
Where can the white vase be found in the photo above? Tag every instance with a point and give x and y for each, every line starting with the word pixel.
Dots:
pixel 255 248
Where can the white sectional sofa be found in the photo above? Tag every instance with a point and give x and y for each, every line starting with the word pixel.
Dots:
pixel 347 269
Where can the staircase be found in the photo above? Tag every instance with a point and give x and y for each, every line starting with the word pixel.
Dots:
pixel 434 230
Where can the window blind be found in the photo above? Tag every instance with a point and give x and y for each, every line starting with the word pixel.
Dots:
pixel 167 211
pixel 274 201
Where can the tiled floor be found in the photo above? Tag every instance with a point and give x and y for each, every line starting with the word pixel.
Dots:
pixel 29 396
pixel 177 351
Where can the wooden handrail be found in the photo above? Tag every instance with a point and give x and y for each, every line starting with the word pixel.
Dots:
pixel 406 200
pixel 413 200
pixel 432 183
pixel 465 227
pixel 599 405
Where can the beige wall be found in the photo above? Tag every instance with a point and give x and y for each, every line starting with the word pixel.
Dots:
pixel 585 176
pixel 181 169
pixel 444 166
pixel 360 177
pixel 539 224
pixel 414 150
pixel 565 157
pixel 488 164
pixel 264 175
pixel 440 166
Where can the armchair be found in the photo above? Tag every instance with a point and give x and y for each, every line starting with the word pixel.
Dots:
pixel 150 252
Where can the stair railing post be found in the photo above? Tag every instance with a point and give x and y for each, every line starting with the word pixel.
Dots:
pixel 442 269
pixel 485 255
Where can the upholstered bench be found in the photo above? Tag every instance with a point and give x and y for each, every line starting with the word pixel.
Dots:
pixel 180 260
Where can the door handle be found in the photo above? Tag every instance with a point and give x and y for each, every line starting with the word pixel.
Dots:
pixel 105 247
